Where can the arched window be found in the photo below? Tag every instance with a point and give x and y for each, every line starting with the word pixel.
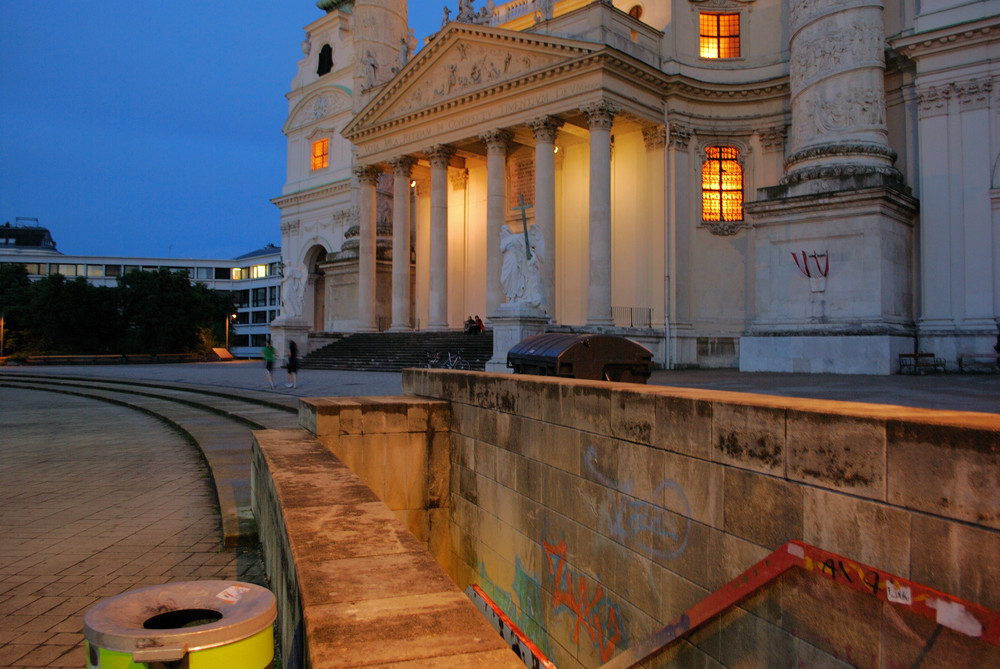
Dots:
pixel 635 12
pixel 722 185
pixel 325 60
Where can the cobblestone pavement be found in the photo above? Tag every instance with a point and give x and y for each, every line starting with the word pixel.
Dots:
pixel 95 499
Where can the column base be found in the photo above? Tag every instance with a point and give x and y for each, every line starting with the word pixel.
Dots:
pixel 511 324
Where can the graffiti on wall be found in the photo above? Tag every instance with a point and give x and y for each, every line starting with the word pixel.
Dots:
pixel 586 600
pixel 526 612
pixel 641 525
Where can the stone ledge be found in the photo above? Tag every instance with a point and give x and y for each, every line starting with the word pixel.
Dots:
pixel 354 588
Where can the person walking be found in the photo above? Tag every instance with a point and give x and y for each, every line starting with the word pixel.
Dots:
pixel 268 353
pixel 293 365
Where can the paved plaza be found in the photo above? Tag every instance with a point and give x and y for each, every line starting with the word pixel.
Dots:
pixel 97 499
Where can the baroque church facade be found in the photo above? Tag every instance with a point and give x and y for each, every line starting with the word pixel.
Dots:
pixel 784 185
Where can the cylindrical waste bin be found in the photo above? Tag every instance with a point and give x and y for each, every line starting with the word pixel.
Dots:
pixel 194 624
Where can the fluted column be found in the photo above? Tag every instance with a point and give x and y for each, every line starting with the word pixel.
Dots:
pixel 600 115
pixel 438 256
pixel 401 170
pixel 544 130
pixel 367 177
pixel 497 142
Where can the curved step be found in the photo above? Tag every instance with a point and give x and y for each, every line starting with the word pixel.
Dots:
pixel 218 423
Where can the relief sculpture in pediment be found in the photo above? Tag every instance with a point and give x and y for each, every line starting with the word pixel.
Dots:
pixel 466 67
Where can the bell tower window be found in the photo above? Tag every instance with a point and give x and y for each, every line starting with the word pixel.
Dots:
pixel 325 60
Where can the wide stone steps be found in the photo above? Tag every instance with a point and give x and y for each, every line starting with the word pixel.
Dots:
pixel 395 351
pixel 218 422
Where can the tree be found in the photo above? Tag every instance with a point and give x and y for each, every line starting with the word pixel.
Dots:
pixel 15 288
pixel 162 311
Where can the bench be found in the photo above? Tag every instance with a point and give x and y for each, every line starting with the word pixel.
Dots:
pixel 918 363
pixel 979 362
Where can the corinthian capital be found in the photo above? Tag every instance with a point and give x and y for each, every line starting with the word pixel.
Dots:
pixel 497 140
pixel 544 128
pixel 439 155
pixel 600 115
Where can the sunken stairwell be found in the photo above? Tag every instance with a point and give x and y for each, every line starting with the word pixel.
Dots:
pixel 395 351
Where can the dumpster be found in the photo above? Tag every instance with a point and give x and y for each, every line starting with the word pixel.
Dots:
pixel 582 356
pixel 195 624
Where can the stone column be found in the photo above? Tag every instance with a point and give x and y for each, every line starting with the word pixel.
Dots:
pixel 438 289
pixel 838 121
pixel 544 130
pixel 401 169
pixel 367 177
pixel 600 116
pixel 497 142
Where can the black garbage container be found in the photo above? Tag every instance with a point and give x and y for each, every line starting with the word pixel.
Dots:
pixel 582 356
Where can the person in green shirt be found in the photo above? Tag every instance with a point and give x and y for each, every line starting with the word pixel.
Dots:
pixel 268 353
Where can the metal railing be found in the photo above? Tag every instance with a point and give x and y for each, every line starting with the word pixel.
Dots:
pixel 964 617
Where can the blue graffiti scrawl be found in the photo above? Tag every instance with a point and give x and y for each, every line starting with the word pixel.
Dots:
pixel 641 525
pixel 527 613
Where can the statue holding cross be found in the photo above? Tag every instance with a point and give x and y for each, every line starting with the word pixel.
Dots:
pixel 523 254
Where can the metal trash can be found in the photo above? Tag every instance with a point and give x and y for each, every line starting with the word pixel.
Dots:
pixel 582 356
pixel 194 624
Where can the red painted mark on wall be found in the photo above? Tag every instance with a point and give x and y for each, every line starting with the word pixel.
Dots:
pixel 595 614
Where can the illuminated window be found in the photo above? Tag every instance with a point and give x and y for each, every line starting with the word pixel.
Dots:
pixel 720 36
pixel 321 154
pixel 258 271
pixel 722 185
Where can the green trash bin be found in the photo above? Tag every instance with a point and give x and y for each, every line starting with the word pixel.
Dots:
pixel 192 624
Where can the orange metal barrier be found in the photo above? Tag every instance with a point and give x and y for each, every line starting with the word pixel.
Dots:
pixel 964 617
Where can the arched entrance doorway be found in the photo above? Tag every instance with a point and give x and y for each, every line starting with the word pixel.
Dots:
pixel 314 301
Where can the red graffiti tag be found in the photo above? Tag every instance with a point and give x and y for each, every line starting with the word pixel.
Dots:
pixel 570 590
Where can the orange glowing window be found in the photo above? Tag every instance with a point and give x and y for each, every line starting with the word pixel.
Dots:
pixel 321 154
pixel 720 35
pixel 722 185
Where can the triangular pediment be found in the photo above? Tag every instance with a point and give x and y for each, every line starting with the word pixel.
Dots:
pixel 463 61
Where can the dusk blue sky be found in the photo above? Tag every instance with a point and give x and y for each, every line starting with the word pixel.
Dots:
pixel 137 128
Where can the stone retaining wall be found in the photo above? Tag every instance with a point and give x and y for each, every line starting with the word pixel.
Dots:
pixel 354 587
pixel 594 512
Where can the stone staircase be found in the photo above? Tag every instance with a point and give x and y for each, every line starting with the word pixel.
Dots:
pixel 394 351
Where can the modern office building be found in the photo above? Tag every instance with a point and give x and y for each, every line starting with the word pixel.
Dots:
pixel 254 278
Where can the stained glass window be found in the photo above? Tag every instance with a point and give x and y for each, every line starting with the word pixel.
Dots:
pixel 722 185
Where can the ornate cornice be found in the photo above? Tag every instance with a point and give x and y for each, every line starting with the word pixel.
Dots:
pixel 960 36
pixel 838 171
pixel 320 192
pixel 843 149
